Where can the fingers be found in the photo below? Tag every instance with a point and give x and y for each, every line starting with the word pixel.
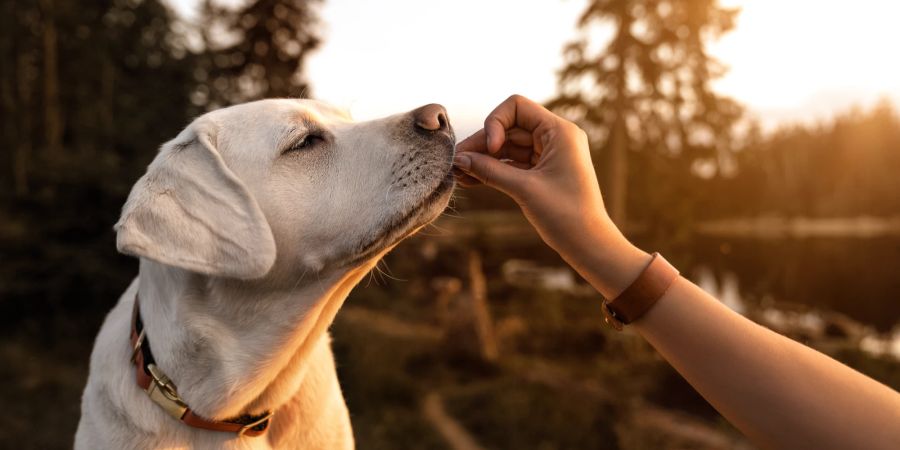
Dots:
pixel 516 111
pixel 515 153
pixel 519 157
pixel 465 180
pixel 517 164
pixel 519 136
pixel 508 151
pixel 504 176
pixel 498 154
pixel 517 146
pixel 474 143
pixel 468 181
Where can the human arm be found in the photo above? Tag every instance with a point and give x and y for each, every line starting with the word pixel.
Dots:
pixel 780 393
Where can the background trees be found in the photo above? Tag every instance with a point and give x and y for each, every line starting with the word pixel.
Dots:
pixel 844 167
pixel 88 91
pixel 255 51
pixel 648 90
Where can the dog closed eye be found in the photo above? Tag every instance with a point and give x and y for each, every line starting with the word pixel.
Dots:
pixel 305 143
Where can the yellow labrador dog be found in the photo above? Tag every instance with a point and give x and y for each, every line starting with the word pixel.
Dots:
pixel 252 226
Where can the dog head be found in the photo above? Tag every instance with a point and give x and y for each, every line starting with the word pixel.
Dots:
pixel 288 183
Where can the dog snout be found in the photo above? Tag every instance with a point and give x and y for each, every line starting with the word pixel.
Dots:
pixel 431 117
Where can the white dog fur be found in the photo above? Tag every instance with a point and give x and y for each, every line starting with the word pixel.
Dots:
pixel 252 226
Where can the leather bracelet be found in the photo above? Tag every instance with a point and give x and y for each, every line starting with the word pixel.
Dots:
pixel 642 294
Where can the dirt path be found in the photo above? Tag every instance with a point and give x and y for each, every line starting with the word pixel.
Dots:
pixel 683 428
pixel 388 325
pixel 452 431
pixel 454 434
pixel 679 427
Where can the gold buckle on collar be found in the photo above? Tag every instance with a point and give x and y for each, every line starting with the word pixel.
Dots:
pixel 163 392
pixel 262 419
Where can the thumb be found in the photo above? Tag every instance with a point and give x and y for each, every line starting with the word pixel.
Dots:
pixel 490 171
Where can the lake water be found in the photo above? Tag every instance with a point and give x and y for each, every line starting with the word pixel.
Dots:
pixel 851 266
pixel 859 277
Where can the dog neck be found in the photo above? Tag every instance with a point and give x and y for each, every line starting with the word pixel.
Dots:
pixel 237 347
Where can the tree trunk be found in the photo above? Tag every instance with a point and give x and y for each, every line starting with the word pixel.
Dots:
pixel 52 115
pixel 8 67
pixel 617 173
pixel 107 104
pixel 25 73
pixel 466 318
pixel 10 135
pixel 484 326
pixel 617 162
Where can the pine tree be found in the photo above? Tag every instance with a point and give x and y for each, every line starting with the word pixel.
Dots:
pixel 648 89
pixel 88 92
pixel 256 51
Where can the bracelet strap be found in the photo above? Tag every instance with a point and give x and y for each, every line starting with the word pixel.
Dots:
pixel 642 294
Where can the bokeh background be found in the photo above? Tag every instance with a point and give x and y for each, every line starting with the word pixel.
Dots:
pixel 756 144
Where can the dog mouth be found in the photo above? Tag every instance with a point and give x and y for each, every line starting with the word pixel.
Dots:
pixel 408 223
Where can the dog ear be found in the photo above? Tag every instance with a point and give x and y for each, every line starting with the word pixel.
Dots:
pixel 189 210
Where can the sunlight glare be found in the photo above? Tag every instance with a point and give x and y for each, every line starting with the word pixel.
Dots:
pixel 798 57
pixel 796 60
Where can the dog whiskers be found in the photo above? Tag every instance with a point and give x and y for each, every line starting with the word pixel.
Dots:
pixel 371 277
pixel 386 272
pixel 300 278
pixel 454 214
pixel 441 230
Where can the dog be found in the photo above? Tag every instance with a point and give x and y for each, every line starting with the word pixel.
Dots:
pixel 252 226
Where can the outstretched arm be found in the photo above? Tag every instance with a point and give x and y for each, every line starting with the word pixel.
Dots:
pixel 780 393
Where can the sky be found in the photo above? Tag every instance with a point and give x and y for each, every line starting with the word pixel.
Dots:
pixel 790 60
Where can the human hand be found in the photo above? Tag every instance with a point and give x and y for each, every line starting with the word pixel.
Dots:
pixel 543 162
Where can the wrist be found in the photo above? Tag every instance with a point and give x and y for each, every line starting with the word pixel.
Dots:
pixel 607 260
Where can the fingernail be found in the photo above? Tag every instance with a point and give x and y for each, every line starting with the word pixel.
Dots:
pixel 462 161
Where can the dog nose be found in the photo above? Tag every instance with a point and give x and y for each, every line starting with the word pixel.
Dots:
pixel 431 117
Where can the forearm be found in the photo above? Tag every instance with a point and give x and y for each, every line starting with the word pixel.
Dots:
pixel 778 392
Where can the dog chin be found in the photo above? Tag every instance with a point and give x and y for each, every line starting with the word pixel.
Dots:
pixel 406 224
pixel 433 205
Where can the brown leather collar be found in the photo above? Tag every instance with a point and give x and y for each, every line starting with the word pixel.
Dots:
pixel 164 393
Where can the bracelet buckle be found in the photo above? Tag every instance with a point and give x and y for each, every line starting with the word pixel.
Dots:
pixel 609 316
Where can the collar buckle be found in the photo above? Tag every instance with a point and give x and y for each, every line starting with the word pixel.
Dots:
pixel 163 392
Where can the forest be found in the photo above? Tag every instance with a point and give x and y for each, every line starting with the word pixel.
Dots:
pixel 89 90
